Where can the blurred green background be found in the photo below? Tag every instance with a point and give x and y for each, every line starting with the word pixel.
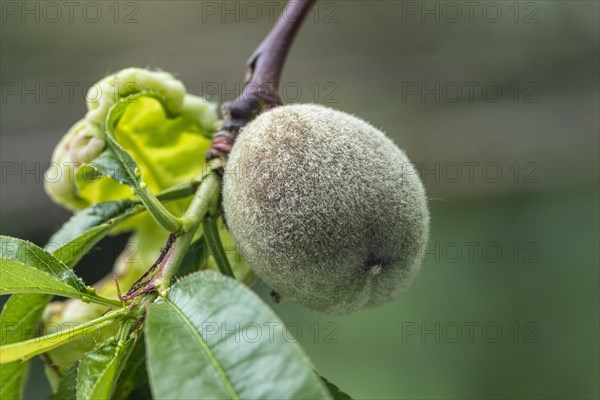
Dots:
pixel 495 102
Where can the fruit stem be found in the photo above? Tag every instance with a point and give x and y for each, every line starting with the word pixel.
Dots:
pixel 192 218
pixel 262 78
pixel 215 245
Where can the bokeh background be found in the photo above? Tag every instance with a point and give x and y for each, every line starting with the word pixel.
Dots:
pixel 495 102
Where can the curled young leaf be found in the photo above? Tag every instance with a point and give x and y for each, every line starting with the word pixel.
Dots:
pixel 158 123
pixel 120 166
pixel 81 144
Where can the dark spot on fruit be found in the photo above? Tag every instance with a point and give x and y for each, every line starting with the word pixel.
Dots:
pixel 275 296
pixel 374 264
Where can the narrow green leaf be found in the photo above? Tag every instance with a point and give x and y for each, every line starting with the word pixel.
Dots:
pixel 222 341
pixel 16 251
pixel 18 322
pixel 93 216
pixel 99 370
pixel 24 350
pixel 67 390
pixel 86 228
pixel 335 391
pixel 26 268
pixel 22 312
pixel 16 277
pixel 133 383
pixel 70 252
pixel 119 166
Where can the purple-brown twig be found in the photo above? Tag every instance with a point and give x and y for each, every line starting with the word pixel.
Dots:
pixel 262 79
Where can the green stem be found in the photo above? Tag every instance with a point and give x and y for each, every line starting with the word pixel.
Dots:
pixel 177 192
pixel 205 196
pixel 32 347
pixel 215 245
pixel 94 298
pixel 152 204
pixel 158 211
pixel 125 330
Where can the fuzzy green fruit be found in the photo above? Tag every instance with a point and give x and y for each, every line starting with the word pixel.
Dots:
pixel 326 209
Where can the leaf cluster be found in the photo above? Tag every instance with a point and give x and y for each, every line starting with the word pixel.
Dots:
pixel 179 331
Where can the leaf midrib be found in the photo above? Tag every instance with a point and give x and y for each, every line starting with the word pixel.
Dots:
pixel 213 360
pixel 57 269
pixel 146 161
pixel 92 392
pixel 7 385
pixel 118 153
